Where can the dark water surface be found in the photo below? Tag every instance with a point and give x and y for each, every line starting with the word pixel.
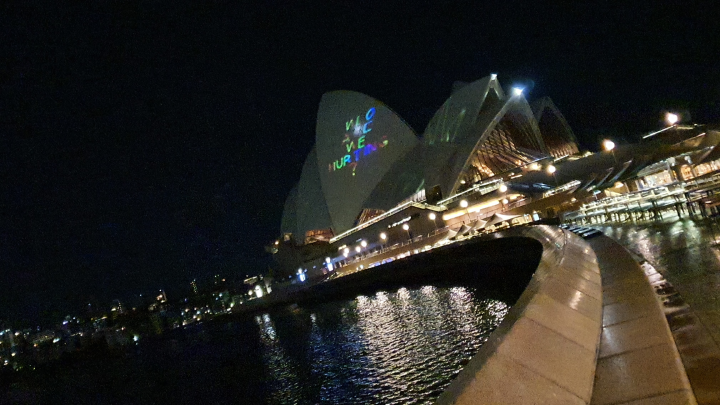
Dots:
pixel 400 347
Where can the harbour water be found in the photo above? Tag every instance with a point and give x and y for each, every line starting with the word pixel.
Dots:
pixel 392 347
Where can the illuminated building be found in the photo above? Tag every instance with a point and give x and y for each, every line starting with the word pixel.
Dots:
pixel 194 286
pixel 370 178
pixel 368 167
pixel 367 160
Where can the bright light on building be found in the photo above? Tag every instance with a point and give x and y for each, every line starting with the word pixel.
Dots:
pixel 517 91
pixel 502 188
pixel 346 252
pixel 671 118
pixel 432 216
pixel 383 236
pixel 259 291
pixel 505 201
pixel 608 145
pixel 551 169
pixel 363 243
pixel 358 249
pixel 327 260
pixel 618 184
pixel 406 227
pixel 464 203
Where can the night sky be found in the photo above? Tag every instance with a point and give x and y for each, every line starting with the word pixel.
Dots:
pixel 145 144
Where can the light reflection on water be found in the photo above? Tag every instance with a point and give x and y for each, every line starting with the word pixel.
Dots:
pixel 390 348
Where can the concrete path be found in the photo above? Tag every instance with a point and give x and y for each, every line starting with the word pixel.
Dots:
pixel 638 362
pixel 686 253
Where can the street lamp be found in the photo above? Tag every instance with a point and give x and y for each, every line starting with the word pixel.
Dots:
pixel 502 188
pixel 363 243
pixel 464 203
pixel 406 227
pixel 551 170
pixel 671 118
pixel 609 146
pixel 432 217
pixel 383 236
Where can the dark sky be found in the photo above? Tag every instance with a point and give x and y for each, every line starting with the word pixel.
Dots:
pixel 148 143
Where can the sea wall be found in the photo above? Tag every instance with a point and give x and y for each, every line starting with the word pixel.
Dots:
pixel 545 350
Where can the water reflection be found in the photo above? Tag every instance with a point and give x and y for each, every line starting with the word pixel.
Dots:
pixel 392 347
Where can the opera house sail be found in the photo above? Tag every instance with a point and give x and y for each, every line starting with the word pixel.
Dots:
pixel 367 160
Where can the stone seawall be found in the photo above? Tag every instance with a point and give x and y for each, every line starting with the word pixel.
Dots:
pixel 545 351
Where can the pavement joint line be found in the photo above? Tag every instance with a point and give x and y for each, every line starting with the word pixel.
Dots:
pixel 648 397
pixel 533 371
pixel 601 357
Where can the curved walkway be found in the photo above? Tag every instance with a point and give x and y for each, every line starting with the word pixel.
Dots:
pixel 549 348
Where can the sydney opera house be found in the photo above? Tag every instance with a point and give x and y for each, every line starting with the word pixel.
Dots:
pixel 367 160
pixel 372 187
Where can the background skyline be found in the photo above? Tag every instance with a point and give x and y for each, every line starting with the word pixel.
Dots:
pixel 145 145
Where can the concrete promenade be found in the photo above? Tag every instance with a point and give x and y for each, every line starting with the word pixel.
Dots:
pixel 638 361
pixel 686 253
pixel 591 328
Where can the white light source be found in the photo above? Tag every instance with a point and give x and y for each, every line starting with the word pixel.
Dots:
pixel 464 203
pixel 517 91
pixel 502 188
pixel 363 243
pixel 358 249
pixel 551 169
pixel 327 260
pixel 383 236
pixel 346 251
pixel 406 227
pixel 671 118
pixel 505 201
pixel 432 216
pixel 608 145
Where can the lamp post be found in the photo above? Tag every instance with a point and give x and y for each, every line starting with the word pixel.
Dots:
pixel 609 146
pixel 672 118
pixel 433 217
pixel 406 227
pixel 383 237
pixel 551 169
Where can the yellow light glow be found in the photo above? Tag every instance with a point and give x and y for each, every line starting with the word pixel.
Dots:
pixel 608 145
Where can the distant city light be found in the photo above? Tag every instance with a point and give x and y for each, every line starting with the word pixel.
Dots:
pixel 464 203
pixel 502 188
pixel 358 249
pixel 551 169
pixel 505 201
pixel 432 216
pixel 383 236
pixel 671 118
pixel 363 243
pixel 608 145
pixel 517 91
pixel 406 227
